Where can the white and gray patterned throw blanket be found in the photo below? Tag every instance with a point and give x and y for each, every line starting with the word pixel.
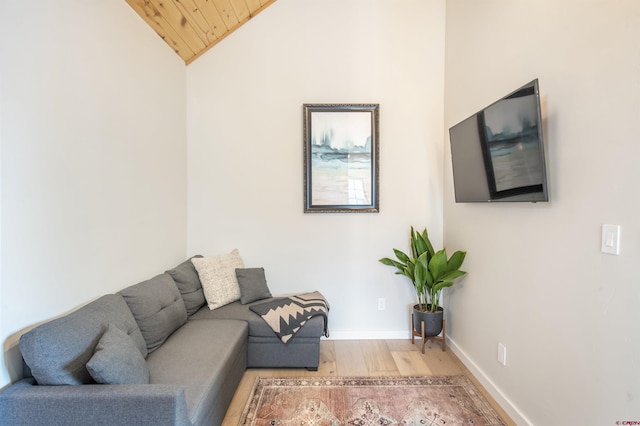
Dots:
pixel 286 315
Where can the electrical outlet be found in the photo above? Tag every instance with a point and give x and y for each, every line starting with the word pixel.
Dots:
pixel 502 354
pixel 382 304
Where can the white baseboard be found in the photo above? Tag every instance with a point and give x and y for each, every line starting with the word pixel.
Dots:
pixel 506 404
pixel 369 335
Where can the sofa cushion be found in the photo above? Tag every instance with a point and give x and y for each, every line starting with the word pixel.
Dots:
pixel 208 359
pixel 57 352
pixel 117 361
pixel 188 282
pixel 218 277
pixel 158 308
pixel 257 326
pixel 253 285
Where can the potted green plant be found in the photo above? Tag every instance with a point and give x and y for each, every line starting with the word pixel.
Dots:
pixel 430 271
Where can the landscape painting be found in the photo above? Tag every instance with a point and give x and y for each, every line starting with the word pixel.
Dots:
pixel 341 158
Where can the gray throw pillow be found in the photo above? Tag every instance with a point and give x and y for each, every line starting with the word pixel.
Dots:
pixel 253 285
pixel 117 361
pixel 158 308
pixel 188 282
pixel 57 351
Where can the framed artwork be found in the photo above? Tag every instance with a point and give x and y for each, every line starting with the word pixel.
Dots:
pixel 341 158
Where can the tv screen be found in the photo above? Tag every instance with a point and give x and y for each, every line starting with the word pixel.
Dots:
pixel 498 153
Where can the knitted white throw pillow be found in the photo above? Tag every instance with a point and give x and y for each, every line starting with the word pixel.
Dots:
pixel 218 277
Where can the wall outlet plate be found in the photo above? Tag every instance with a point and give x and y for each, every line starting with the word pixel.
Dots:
pixel 502 354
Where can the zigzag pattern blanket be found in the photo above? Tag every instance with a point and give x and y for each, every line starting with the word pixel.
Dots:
pixel 287 315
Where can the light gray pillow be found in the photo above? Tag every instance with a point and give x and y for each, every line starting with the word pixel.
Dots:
pixel 188 282
pixel 218 277
pixel 117 361
pixel 158 308
pixel 253 285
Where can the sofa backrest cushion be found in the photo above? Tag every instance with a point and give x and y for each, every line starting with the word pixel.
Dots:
pixel 57 352
pixel 158 308
pixel 188 282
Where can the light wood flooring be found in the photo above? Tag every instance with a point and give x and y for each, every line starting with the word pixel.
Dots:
pixel 367 358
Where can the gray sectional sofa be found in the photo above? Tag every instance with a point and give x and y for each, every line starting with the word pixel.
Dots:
pixel 152 354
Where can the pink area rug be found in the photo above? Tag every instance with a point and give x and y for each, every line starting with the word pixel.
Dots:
pixel 446 400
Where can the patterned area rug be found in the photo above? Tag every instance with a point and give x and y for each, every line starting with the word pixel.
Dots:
pixel 447 400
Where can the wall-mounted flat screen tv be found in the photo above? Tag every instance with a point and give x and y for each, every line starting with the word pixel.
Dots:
pixel 498 153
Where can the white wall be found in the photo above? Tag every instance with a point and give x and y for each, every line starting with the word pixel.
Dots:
pixel 245 171
pixel 537 281
pixel 93 190
pixel 93 159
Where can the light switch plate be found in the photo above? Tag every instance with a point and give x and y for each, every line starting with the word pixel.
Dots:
pixel 610 239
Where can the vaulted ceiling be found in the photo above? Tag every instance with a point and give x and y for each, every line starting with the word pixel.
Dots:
pixel 191 27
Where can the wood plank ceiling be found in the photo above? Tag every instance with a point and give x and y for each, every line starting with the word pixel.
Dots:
pixel 191 27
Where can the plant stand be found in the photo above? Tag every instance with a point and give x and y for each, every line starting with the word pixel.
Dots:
pixel 424 338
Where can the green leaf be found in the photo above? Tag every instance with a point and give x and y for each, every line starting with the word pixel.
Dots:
pixel 421 270
pixel 421 244
pixel 438 264
pixel 450 276
pixel 414 247
pixel 408 272
pixel 389 262
pixel 456 260
pixel 425 237
pixel 402 257
pixel 442 285
pixel 429 279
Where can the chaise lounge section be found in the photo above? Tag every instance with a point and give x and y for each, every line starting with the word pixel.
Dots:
pixel 264 348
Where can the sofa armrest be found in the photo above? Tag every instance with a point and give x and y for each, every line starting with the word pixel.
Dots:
pixel 25 403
